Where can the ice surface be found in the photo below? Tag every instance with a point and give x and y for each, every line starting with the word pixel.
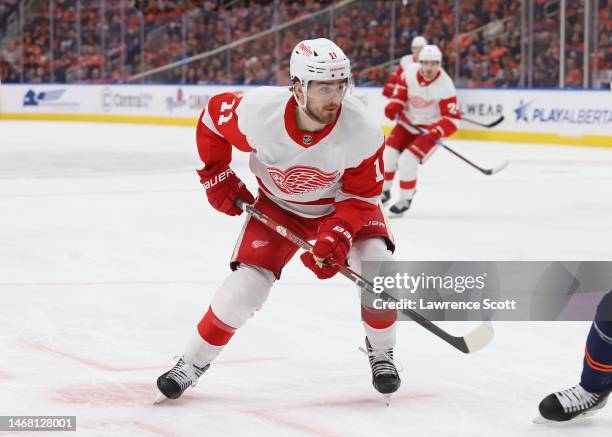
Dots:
pixel 109 255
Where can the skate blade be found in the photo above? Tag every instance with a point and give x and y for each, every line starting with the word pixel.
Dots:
pixel 540 420
pixel 159 398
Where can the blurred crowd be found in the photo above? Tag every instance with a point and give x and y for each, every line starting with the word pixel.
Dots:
pixel 108 41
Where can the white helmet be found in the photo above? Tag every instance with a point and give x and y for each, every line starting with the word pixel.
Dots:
pixel 430 53
pixel 418 41
pixel 318 59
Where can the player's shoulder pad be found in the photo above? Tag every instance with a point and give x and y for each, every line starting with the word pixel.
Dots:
pixel 413 68
pixel 262 97
pixel 221 117
pixel 220 110
pixel 406 61
pixel 357 120
pixel 258 102
pixel 215 102
pixel 447 83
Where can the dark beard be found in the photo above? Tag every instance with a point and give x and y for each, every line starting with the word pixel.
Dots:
pixel 319 119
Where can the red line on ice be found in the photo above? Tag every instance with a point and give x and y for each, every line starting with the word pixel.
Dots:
pixel 102 366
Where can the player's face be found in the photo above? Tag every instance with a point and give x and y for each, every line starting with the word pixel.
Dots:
pixel 429 69
pixel 325 98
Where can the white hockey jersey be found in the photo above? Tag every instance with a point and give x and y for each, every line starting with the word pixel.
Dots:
pixel 310 174
pixel 427 103
pixel 391 82
pixel 407 60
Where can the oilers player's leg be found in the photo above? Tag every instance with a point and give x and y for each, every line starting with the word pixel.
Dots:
pixel 597 367
pixel 591 394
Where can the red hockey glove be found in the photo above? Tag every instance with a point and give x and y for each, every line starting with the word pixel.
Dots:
pixel 388 90
pixel 389 86
pixel 333 243
pixel 392 109
pixel 427 139
pixel 223 187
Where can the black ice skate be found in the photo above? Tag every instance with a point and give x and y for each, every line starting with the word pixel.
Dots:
pixel 570 404
pixel 386 195
pixel 400 207
pixel 385 378
pixel 173 383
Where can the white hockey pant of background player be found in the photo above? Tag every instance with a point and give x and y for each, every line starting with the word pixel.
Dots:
pixel 408 165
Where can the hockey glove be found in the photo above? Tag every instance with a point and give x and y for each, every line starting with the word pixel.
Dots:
pixel 223 187
pixel 393 108
pixel 389 86
pixel 333 243
pixel 428 139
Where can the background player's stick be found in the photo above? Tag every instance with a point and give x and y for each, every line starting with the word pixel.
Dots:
pixel 472 342
pixel 487 171
pixel 488 125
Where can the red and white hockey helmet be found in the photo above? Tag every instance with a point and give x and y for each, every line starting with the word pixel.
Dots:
pixel 318 59
pixel 430 53
pixel 418 41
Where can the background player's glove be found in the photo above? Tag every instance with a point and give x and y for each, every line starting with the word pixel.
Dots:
pixel 428 139
pixel 389 86
pixel 392 109
pixel 333 243
pixel 223 187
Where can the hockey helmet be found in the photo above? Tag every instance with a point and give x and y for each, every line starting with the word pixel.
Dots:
pixel 318 59
pixel 430 53
pixel 418 41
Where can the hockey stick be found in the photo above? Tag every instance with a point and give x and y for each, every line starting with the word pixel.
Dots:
pixel 488 126
pixel 487 171
pixel 472 342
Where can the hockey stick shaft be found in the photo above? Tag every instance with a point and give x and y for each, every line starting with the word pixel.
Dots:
pixel 474 341
pixel 487 125
pixel 486 171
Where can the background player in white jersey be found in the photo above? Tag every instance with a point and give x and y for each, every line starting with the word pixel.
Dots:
pixel 424 96
pixel 418 42
pixel 317 157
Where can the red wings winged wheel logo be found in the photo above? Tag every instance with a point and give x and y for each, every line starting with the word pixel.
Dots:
pixel 302 179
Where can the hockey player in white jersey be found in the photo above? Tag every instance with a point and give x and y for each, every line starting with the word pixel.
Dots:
pixel 318 160
pixel 424 96
pixel 418 42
